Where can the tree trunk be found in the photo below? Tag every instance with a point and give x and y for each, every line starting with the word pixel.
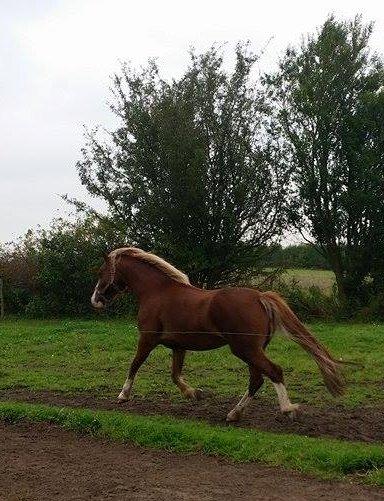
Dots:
pixel 335 261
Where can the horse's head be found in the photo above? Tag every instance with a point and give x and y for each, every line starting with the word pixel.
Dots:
pixel 108 285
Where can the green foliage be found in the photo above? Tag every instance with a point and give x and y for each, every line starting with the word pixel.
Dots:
pixel 374 310
pixel 324 457
pixel 309 303
pixel 298 256
pixel 328 104
pixel 52 272
pixel 18 269
pixel 189 173
pixel 67 255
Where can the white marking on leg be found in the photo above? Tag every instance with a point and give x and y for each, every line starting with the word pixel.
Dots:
pixel 237 411
pixel 125 391
pixel 282 394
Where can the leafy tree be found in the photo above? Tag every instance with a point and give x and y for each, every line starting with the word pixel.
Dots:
pixel 328 102
pixel 189 172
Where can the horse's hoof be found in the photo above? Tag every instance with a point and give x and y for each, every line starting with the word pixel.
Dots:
pixel 233 416
pixel 292 411
pixel 121 399
pixel 199 394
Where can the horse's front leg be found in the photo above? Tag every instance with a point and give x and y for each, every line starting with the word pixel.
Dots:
pixel 147 342
pixel 177 365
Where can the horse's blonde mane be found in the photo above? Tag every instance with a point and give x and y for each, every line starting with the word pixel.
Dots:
pixel 151 259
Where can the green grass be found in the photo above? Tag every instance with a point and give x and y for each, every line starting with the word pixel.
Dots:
pixel 324 457
pixel 305 278
pixel 93 355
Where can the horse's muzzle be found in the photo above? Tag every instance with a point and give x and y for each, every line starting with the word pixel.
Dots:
pixel 97 300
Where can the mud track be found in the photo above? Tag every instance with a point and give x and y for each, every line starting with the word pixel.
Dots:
pixel 44 462
pixel 362 424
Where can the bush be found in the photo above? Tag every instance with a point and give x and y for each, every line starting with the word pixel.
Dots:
pixel 18 269
pixel 52 272
pixel 374 310
pixel 308 304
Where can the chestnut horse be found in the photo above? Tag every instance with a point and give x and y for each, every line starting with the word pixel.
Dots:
pixel 179 316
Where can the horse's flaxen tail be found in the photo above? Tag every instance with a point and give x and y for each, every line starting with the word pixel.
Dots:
pixel 282 318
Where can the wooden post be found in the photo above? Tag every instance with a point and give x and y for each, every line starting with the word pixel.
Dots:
pixel 1 300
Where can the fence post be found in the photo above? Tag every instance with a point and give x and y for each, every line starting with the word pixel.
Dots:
pixel 1 300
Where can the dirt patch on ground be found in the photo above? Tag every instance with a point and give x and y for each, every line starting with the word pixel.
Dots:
pixel 361 424
pixel 42 461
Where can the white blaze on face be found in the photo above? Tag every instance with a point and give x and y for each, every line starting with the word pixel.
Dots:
pixel 95 303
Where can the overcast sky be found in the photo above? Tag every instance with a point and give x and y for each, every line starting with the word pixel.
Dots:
pixel 56 58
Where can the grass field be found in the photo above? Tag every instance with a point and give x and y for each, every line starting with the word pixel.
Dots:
pixel 93 356
pixel 305 278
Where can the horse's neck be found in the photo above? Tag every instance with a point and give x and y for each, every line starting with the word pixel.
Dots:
pixel 143 279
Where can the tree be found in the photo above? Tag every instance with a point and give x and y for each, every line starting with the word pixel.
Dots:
pixel 328 100
pixel 298 256
pixel 189 172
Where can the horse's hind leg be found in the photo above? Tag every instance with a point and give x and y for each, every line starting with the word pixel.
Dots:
pixel 259 366
pixel 255 382
pixel 275 373
pixel 177 365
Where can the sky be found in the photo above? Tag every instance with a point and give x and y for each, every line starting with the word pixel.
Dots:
pixel 56 59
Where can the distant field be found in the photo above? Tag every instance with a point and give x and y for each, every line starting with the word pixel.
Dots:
pixel 324 279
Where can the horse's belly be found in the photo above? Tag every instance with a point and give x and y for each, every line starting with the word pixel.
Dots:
pixel 192 341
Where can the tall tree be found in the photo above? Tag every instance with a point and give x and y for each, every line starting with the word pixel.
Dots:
pixel 328 101
pixel 190 172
